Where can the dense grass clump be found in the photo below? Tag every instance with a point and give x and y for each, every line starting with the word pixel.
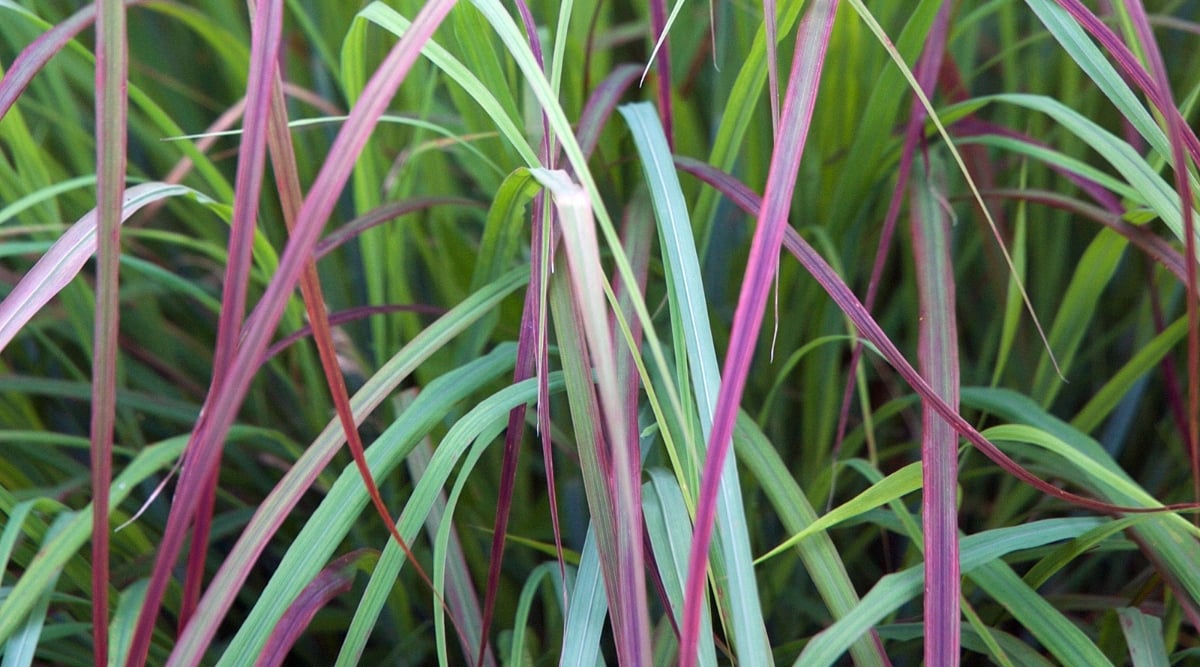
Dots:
pixel 435 332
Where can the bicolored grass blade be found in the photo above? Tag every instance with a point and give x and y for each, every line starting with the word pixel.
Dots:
pixel 63 261
pixel 334 580
pixel 938 353
pixel 798 105
pixel 267 33
pixel 112 107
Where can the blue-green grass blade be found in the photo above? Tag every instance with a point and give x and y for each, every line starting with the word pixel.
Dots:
pixel 20 648
pixel 124 621
pixel 586 610
pixel 669 524
pixel 679 248
pixel 1144 635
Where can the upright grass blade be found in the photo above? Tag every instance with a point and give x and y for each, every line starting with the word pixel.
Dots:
pixel 679 250
pixel 112 65
pixel 764 257
pixel 668 527
pixel 620 459
pixel 938 353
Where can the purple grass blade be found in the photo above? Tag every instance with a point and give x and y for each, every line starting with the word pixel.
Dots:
pixel 937 351
pixel 601 105
pixel 223 402
pixel 526 366
pixel 1176 129
pixel 849 304
pixel 266 35
pixel 112 110
pixel 1129 64
pixel 336 579
pixel 803 82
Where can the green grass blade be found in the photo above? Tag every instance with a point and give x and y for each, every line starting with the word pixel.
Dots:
pixel 1143 633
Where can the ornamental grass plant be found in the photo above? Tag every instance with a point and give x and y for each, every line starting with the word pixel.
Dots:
pixel 423 332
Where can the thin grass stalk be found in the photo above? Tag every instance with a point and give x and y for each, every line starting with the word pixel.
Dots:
pixel 938 354
pixel 811 43
pixel 112 106
pixel 223 402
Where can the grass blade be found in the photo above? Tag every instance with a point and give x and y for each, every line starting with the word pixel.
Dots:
pixel 112 105
pixel 938 354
